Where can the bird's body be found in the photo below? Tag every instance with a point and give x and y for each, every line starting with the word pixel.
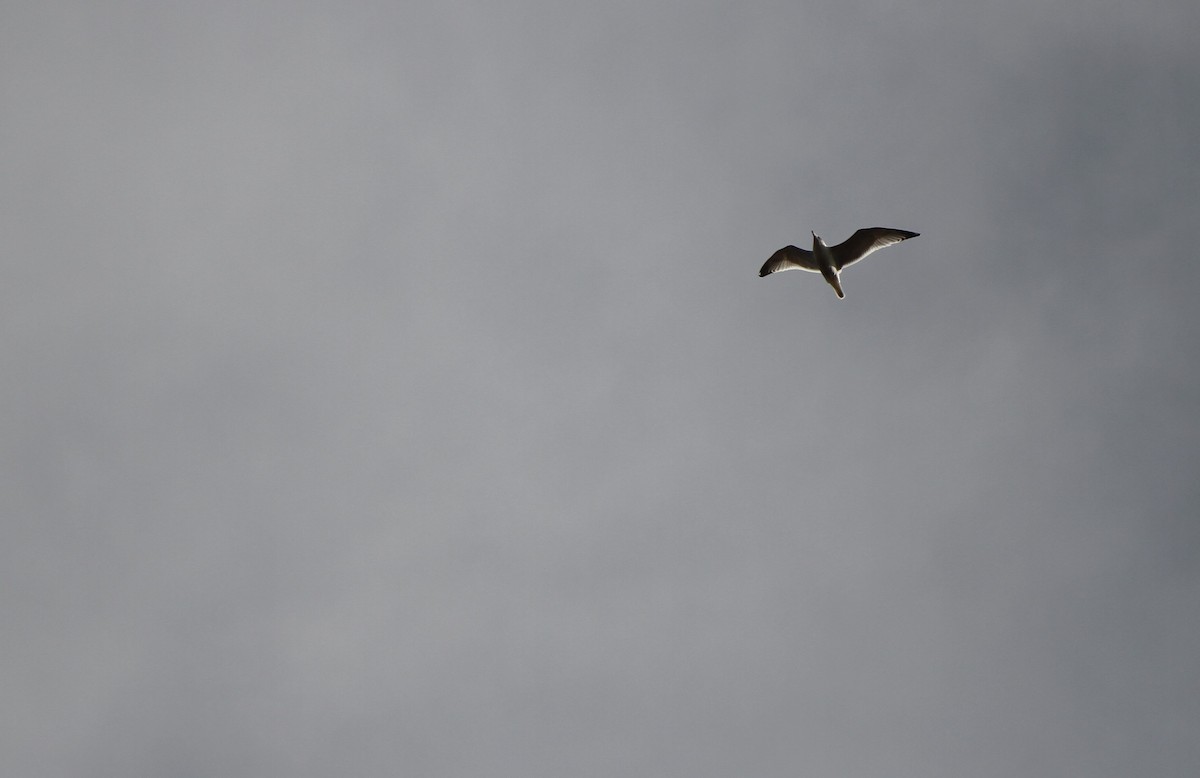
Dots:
pixel 829 261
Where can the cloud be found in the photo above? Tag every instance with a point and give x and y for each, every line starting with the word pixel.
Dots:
pixel 395 387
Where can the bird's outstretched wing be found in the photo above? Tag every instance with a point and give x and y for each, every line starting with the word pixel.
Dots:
pixel 789 258
pixel 866 241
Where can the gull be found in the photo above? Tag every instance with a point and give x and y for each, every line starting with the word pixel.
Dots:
pixel 829 261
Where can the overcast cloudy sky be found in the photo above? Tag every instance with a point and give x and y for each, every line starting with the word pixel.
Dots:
pixel 389 389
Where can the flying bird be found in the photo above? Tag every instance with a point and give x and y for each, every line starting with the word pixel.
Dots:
pixel 829 261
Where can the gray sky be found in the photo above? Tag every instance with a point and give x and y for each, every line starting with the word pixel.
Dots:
pixel 389 390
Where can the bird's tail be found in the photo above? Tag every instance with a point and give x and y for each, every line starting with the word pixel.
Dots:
pixel 835 282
